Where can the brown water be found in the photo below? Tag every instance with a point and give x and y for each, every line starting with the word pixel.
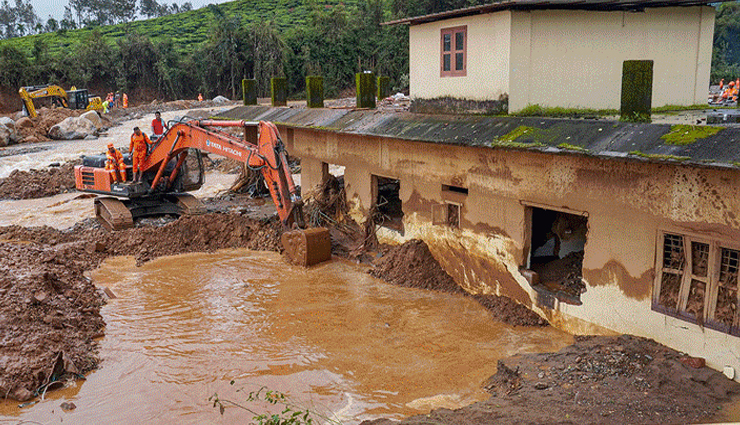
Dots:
pixel 337 340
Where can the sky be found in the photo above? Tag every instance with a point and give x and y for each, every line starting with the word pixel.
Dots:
pixel 55 8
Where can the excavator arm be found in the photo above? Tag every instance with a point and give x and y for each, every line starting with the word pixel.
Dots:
pixel 266 154
pixel 27 94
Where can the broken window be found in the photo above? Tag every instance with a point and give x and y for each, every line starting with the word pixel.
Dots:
pixel 388 209
pixel 698 281
pixel 454 43
pixel 556 252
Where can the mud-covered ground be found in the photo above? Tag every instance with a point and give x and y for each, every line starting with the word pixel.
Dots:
pixel 40 183
pixel 48 307
pixel 597 380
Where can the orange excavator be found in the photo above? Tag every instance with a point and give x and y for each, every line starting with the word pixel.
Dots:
pixel 174 166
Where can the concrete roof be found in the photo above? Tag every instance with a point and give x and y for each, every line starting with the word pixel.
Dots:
pixel 598 5
pixel 601 138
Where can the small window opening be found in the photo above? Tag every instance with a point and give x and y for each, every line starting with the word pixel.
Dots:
pixel 557 248
pixel 388 207
pixel 455 189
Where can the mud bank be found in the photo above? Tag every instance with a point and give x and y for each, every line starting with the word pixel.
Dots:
pixel 597 380
pixel 412 265
pixel 40 183
pixel 48 307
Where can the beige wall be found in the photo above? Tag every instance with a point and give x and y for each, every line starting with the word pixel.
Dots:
pixel 574 58
pixel 627 202
pixel 569 58
pixel 487 62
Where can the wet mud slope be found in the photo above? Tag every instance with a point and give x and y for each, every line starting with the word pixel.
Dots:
pixel 412 265
pixel 34 184
pixel 49 309
pixel 597 380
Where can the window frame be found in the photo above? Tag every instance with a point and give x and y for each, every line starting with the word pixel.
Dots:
pixel 452 31
pixel 711 280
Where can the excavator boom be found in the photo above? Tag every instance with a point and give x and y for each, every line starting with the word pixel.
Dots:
pixel 164 163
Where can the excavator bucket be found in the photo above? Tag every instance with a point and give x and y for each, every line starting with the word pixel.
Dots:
pixel 307 247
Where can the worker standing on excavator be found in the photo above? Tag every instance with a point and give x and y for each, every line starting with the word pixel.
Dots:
pixel 139 145
pixel 158 126
pixel 114 162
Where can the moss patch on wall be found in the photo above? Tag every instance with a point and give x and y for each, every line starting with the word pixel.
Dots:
pixel 558 112
pixel 637 90
pixel 682 135
pixel 570 147
pixel 659 157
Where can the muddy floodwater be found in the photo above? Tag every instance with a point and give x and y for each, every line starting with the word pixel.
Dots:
pixel 337 340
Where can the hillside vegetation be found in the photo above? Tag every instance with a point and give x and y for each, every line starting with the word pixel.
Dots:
pixel 187 29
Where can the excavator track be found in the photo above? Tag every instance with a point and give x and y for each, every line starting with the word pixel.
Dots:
pixel 189 204
pixel 112 213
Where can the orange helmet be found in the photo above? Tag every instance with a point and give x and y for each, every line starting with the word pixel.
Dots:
pixel 110 145
pixel 732 84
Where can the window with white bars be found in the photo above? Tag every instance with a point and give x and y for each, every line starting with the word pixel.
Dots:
pixel 697 280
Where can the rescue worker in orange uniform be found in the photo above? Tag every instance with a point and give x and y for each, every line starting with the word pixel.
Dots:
pixel 114 163
pixel 139 145
pixel 200 97
pixel 125 100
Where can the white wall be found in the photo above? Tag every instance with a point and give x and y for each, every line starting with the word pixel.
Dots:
pixel 569 58
pixel 574 58
pixel 487 59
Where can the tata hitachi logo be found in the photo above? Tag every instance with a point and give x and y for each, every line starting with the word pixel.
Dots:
pixel 227 149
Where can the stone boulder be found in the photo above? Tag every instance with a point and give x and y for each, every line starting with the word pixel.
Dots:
pixel 72 128
pixel 8 122
pixel 24 122
pixel 220 100
pixel 94 118
pixel 5 136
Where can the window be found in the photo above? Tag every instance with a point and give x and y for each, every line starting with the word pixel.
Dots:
pixel 454 43
pixel 387 203
pixel 698 281
pixel 450 210
pixel 555 263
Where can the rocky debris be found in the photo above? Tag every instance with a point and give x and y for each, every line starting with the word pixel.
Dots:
pixel 67 406
pixel 48 307
pixel 72 128
pixel 5 134
pixel 508 311
pixel 597 380
pixel 34 184
pixel 140 111
pixel 8 122
pixel 94 118
pixel 24 122
pixel 220 100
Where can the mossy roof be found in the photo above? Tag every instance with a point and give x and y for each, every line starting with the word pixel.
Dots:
pixel 602 138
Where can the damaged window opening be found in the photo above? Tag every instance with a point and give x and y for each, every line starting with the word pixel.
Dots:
pixel 388 209
pixel 698 281
pixel 331 200
pixel 556 255
pixel 455 189
pixel 453 215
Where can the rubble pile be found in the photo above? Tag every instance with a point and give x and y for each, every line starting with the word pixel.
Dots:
pixel 34 184
pixel 598 379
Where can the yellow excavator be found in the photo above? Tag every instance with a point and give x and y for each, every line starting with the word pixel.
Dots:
pixel 73 99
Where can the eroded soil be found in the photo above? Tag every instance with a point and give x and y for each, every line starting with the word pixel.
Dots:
pixel 48 306
pixel 597 380
pixel 40 183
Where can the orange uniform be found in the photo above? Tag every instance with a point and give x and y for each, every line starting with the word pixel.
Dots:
pixel 125 100
pixel 138 148
pixel 113 161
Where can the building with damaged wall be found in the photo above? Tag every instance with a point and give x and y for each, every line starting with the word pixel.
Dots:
pixel 510 54
pixel 599 226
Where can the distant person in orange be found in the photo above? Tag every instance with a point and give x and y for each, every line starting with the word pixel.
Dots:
pixel 125 100
pixel 114 163
pixel 158 126
pixel 721 84
pixel 200 97
pixel 139 145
